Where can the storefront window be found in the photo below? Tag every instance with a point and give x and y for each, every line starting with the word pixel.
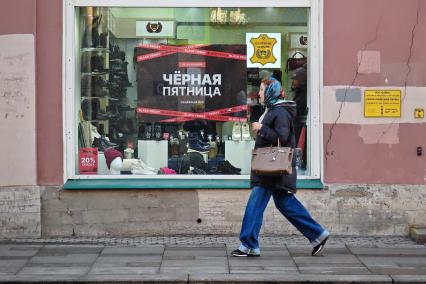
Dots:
pixel 173 91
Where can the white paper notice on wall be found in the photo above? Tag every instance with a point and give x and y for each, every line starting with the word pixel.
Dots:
pixel 154 28
pixel 263 50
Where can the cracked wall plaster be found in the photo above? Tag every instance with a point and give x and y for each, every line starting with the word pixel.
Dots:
pixel 379 133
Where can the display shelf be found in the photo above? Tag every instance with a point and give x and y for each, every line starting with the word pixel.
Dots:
pixel 94 73
pixel 94 98
pixel 95 49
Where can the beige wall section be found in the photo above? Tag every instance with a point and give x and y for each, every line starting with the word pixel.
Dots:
pixel 17 110
pixel 20 212
pixel 343 209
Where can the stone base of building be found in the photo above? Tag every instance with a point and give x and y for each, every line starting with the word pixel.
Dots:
pixel 32 212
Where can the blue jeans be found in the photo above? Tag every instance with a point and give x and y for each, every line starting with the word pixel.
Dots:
pixel 288 205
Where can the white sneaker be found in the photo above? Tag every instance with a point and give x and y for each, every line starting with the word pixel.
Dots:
pixel 143 165
pixel 142 171
pixel 129 164
pixel 236 131
pixel 245 131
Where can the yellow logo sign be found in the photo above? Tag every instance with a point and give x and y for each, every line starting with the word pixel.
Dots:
pixel 419 113
pixel 263 46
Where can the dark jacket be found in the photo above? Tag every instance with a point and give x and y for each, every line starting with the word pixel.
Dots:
pixel 277 123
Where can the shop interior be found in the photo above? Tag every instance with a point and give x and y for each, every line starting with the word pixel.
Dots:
pixel 142 106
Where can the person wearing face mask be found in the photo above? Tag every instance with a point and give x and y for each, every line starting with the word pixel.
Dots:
pixel 276 123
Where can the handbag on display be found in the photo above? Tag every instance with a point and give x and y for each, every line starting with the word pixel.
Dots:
pixel 295 62
pixel 272 160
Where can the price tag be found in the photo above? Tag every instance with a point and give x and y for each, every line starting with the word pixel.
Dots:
pixel 88 160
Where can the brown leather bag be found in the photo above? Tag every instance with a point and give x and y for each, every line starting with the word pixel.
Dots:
pixel 295 62
pixel 272 160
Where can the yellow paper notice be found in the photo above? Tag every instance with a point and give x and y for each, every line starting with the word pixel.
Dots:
pixel 382 103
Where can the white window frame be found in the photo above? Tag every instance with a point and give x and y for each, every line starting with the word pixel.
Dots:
pixel 315 74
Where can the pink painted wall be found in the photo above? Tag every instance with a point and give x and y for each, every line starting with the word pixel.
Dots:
pixel 386 26
pixel 17 17
pixel 382 25
pixel 49 92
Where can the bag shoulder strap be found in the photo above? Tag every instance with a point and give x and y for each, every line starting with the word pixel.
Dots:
pixel 290 135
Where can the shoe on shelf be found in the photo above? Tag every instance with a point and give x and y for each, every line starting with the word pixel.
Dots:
pixel 226 162
pixel 319 248
pixel 157 132
pixel 238 253
pixel 245 131
pixel 196 145
pixel 102 143
pixel 227 168
pixel 142 171
pixel 147 132
pixel 140 163
pixel 236 131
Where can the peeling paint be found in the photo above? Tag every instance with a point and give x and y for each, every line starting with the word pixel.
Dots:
pixel 368 62
pixel 381 133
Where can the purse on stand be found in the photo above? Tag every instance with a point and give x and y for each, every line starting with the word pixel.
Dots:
pixel 295 62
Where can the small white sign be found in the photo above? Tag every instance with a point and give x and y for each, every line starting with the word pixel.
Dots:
pixel 263 50
pixel 154 28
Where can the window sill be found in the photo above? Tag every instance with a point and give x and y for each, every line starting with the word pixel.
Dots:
pixel 174 184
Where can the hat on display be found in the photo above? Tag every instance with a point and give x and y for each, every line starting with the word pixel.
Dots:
pixel 111 154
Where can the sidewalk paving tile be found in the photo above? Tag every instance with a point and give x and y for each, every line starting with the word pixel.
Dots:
pixel 287 278
pixel 140 251
pixel 36 278
pixel 403 279
pixel 124 270
pixel 334 270
pixel 128 259
pixel 69 258
pixel 175 278
pixel 392 261
pixel 261 261
pixel 194 263
pixel 328 251
pixel 18 250
pixel 398 270
pixel 63 250
pixel 195 269
pixel 53 270
pixel 326 259
pixel 388 251
pixel 263 269
pixel 194 251
pixel 11 266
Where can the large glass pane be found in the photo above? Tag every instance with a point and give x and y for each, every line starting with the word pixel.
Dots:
pixel 175 90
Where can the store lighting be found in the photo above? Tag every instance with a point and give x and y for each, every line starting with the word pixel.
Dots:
pixel 223 16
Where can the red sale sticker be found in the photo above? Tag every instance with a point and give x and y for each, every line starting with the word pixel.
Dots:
pixel 88 160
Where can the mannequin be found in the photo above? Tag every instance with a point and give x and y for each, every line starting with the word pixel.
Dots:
pixel 114 160
pixel 116 165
